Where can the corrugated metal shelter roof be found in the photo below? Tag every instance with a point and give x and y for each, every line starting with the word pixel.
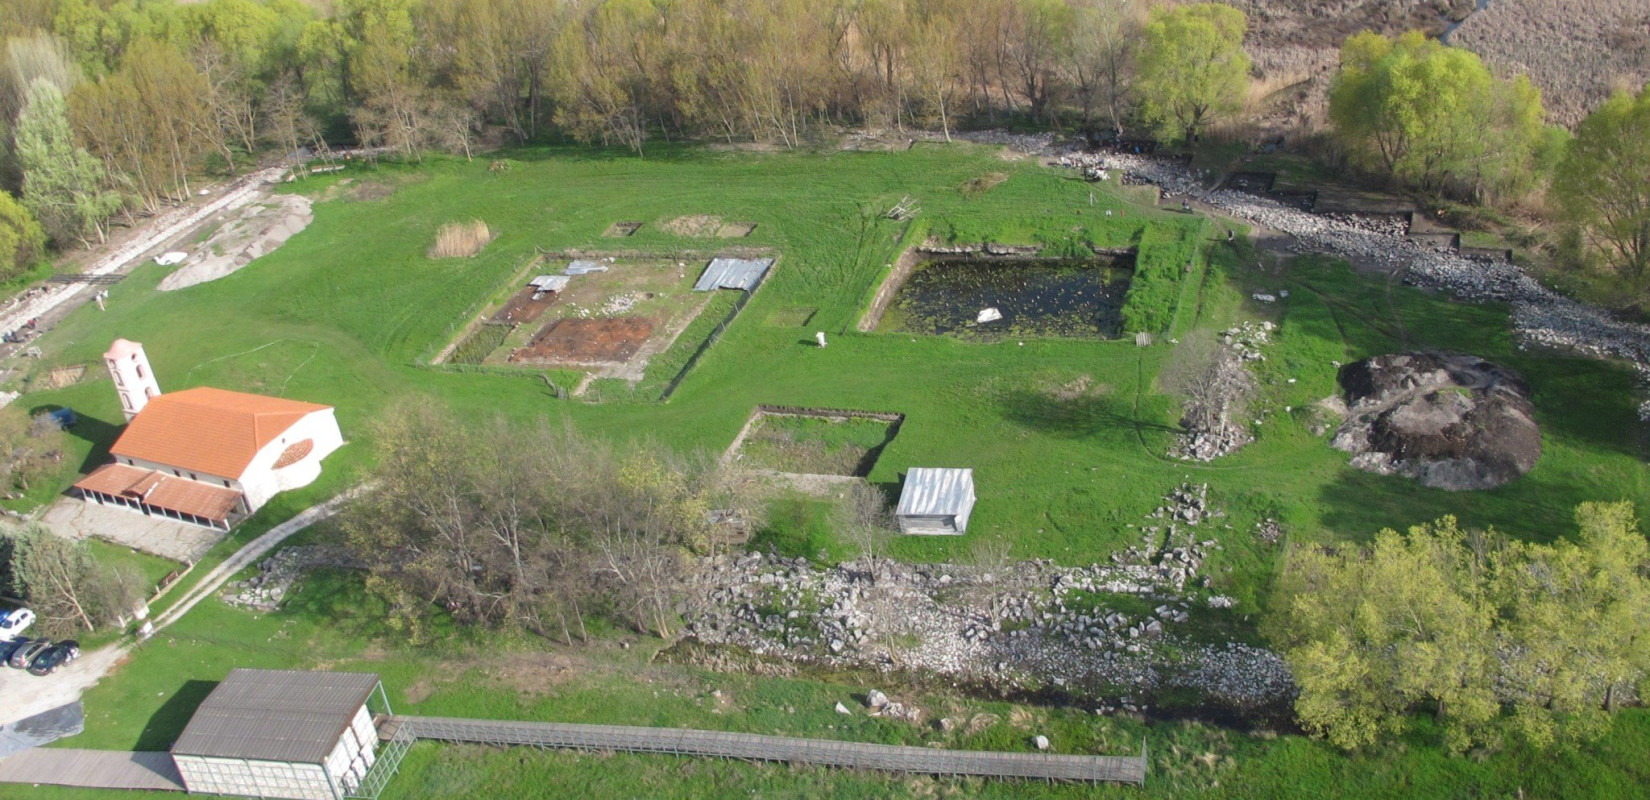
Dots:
pixel 549 283
pixel 936 492
pixel 585 267
pixel 733 273
pixel 294 716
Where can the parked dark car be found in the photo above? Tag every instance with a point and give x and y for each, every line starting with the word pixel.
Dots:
pixel 8 648
pixel 24 656
pixel 61 653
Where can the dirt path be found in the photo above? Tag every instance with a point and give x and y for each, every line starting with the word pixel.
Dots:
pixel 26 695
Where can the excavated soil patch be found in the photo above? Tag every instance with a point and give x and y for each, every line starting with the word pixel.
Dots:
pixel 622 229
pixel 1448 420
pixel 586 341
pixel 525 306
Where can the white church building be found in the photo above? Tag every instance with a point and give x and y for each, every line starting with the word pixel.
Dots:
pixel 205 456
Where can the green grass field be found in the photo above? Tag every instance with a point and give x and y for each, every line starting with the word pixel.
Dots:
pixel 1068 440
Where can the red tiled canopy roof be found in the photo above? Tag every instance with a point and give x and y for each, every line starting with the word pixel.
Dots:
pixel 162 491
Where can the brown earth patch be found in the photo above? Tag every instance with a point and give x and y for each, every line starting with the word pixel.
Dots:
pixel 735 230
pixel 621 229
pixel 586 341
pixel 533 673
pixel 525 306
pixel 65 376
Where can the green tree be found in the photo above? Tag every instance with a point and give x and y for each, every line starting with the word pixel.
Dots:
pixel 66 585
pixel 1192 68
pixel 63 185
pixel 146 120
pixel 1432 116
pixel 1603 184
pixel 1373 634
pixel 22 242
pixel 1575 618
pixel 1468 625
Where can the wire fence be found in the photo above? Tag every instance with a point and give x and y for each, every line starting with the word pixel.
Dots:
pixel 754 747
pixel 715 334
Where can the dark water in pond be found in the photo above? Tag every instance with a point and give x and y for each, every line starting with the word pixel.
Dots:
pixel 1037 298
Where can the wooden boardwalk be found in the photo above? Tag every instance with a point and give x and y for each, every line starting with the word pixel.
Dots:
pixel 754 747
pixel 92 769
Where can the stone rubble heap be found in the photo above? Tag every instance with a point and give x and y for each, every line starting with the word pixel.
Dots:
pixel 265 591
pixel 1028 626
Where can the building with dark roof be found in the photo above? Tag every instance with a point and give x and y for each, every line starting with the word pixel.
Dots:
pixel 282 733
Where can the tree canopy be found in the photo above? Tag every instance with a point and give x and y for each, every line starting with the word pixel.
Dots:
pixel 1193 69
pixel 1467 624
pixel 1432 116
pixel 1603 185
pixel 22 242
pixel 63 185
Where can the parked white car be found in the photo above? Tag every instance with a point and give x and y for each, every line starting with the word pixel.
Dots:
pixel 14 622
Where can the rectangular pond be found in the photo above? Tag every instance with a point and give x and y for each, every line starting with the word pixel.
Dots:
pixel 1036 298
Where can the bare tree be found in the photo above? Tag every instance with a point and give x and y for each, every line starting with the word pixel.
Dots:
pixel 536 527
pixel 864 520
pixel 1214 389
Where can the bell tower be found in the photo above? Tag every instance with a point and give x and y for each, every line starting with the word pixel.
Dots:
pixel 134 380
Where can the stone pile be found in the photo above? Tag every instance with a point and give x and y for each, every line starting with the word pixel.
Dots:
pixel 266 590
pixel 1028 626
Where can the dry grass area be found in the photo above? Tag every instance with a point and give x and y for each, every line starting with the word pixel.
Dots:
pixel 1577 51
pixel 974 187
pixel 460 239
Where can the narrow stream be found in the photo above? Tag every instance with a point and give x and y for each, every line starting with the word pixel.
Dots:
pixel 1450 27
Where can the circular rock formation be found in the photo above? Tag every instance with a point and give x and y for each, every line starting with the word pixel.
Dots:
pixel 1448 420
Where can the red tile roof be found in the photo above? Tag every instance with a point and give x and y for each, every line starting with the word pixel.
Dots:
pixel 208 430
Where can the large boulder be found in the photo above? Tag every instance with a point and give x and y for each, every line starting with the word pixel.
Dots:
pixel 1449 420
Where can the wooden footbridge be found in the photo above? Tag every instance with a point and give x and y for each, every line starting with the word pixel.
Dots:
pixel 784 749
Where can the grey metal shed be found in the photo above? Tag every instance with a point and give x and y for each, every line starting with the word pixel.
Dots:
pixel 282 733
pixel 936 501
pixel 733 273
